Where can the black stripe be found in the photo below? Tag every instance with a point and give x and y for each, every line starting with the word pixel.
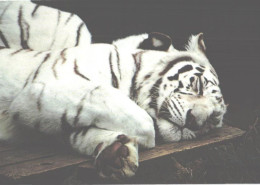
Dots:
pixel 4 40
pixel 165 114
pixel 76 70
pixel 175 77
pixel 54 69
pixel 86 129
pixel 118 62
pixel 65 125
pixel 185 68
pixel 214 81
pixel 213 72
pixel 200 86
pixel 78 34
pixel 133 89
pixel 80 131
pixel 58 19
pixel 35 9
pixel 79 109
pixel 173 112
pixel 68 129
pixel 158 136
pixel 114 78
pixel 147 76
pixel 17 51
pixel 200 69
pixel 191 80
pixel 38 69
pixel 76 133
pixel 68 19
pixel 62 54
pixel 154 93
pixel 22 34
pixel 175 106
pixel 185 93
pixel 38 53
pixel 172 63
pixel 39 104
pixel 164 111
pixel 179 104
pixel 76 118
pixel 180 85
pixel 27 80
pixel 198 74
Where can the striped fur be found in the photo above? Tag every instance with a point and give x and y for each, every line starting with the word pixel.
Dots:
pixel 98 97
pixel 27 25
pixel 92 95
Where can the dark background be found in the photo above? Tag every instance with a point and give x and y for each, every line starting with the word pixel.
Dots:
pixel 232 37
pixel 231 31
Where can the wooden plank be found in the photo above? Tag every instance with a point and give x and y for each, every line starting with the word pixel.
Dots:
pixel 35 163
pixel 40 166
pixel 6 147
pixel 20 155
pixel 217 136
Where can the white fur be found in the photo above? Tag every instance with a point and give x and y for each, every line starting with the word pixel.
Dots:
pixel 130 43
pixel 48 28
pixel 89 87
pixel 44 90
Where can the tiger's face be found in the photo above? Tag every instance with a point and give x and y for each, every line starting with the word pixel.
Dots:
pixel 193 103
pixel 194 107
pixel 179 89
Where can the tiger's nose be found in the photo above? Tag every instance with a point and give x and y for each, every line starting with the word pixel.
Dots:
pixel 191 121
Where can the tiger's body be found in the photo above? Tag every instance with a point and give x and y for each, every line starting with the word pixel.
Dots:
pixel 105 100
pixel 92 98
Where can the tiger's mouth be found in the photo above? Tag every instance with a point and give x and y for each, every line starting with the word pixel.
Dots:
pixel 190 122
pixel 211 123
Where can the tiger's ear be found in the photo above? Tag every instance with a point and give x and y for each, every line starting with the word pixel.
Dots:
pixel 156 41
pixel 196 43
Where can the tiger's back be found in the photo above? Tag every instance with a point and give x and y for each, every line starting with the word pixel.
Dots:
pixel 31 26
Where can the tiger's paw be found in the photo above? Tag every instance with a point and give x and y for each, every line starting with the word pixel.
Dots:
pixel 118 160
pixel 188 134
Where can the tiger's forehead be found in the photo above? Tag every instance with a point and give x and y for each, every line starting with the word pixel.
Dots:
pixel 184 73
pixel 185 68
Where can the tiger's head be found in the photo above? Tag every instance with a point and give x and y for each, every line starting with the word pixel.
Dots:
pixel 189 102
pixel 179 89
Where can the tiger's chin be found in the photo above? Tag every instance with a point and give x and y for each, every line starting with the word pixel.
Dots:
pixel 173 133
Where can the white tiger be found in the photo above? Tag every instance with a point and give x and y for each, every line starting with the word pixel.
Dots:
pixel 106 100
pixel 27 25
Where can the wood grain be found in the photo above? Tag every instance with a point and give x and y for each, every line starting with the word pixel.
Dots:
pixel 10 157
pixel 40 166
pixel 219 135
pixel 25 162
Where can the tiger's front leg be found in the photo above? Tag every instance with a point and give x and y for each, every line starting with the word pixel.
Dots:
pixel 48 107
pixel 116 154
pixel 98 121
